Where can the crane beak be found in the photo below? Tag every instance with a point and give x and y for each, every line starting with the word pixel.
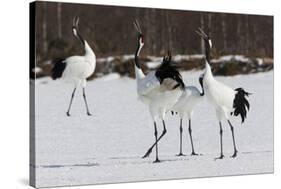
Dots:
pixel 137 26
pixel 75 23
pixel 75 32
pixel 210 43
pixel 202 34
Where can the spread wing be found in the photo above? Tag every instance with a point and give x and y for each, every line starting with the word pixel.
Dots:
pixel 149 84
pixel 168 75
pixel 165 78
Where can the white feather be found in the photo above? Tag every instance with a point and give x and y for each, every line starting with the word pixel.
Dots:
pixel 220 95
pixel 79 68
pixel 159 97
pixel 186 103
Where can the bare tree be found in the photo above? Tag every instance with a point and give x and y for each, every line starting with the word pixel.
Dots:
pixel 239 34
pixel 247 34
pixel 169 29
pixel 110 28
pixel 203 28
pixel 59 20
pixel 210 24
pixel 224 32
pixel 44 28
pixel 163 27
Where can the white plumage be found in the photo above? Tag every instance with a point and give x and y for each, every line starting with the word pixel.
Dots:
pixel 159 97
pixel 79 68
pixel 159 90
pixel 186 103
pixel 76 68
pixel 220 95
pixel 225 100
pixel 184 108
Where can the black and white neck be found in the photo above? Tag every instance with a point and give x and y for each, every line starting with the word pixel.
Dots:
pixel 208 69
pixel 138 50
pixel 208 46
pixel 208 75
pixel 89 53
pixel 77 35
pixel 138 71
pixel 75 32
pixel 202 85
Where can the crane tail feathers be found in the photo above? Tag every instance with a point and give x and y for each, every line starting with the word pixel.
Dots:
pixel 59 67
pixel 241 104
pixel 167 70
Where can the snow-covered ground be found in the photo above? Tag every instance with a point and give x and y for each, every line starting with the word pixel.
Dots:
pixel 107 147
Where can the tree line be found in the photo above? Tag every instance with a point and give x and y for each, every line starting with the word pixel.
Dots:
pixel 109 31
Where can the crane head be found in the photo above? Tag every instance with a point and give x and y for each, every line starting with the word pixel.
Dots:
pixel 167 58
pixel 140 34
pixel 201 84
pixel 75 23
pixel 75 32
pixel 204 36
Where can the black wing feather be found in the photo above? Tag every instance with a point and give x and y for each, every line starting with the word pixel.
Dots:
pixel 59 67
pixel 168 70
pixel 241 104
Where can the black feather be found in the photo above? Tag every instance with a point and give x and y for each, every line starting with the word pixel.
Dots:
pixel 168 70
pixel 241 104
pixel 59 67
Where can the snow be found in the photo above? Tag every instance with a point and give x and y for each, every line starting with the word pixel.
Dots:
pixel 37 70
pixel 155 58
pixel 228 58
pixel 156 61
pixel 43 80
pixel 107 59
pixel 107 147
pixel 260 61
pixel 178 58
pixel 128 57
pixel 47 62
pixel 111 76
pixel 152 64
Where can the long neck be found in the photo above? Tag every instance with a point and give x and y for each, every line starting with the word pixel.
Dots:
pixel 207 51
pixel 208 75
pixel 208 71
pixel 138 71
pixel 89 53
pixel 137 53
pixel 202 86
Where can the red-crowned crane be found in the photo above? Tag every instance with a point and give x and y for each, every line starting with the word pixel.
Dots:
pixel 159 89
pixel 225 100
pixel 190 97
pixel 76 68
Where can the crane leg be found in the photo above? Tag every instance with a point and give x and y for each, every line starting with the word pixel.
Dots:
pixel 158 139
pixel 180 154
pixel 191 140
pixel 156 143
pixel 69 107
pixel 233 139
pixel 84 96
pixel 221 133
